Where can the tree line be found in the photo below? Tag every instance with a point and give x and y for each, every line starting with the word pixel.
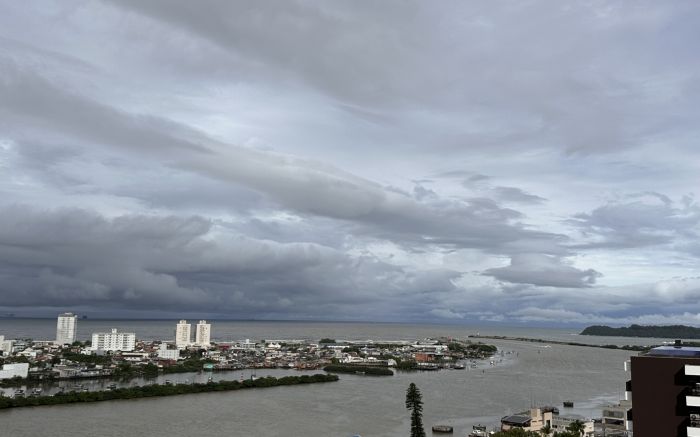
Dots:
pixel 147 391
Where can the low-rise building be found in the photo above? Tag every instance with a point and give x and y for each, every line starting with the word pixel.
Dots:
pixel 532 420
pixel 561 423
pixel 168 354
pixel 617 419
pixel 15 370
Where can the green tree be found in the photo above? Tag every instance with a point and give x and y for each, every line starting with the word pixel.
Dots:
pixel 414 402
pixel 150 370
pixel 576 427
pixel 546 430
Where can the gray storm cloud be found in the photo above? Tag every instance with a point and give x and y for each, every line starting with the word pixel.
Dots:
pixel 296 159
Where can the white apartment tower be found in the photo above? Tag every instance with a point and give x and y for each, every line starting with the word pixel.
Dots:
pixel 113 341
pixel 203 337
pixel 65 328
pixel 183 334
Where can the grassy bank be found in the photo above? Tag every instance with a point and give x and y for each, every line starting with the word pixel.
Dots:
pixel 149 391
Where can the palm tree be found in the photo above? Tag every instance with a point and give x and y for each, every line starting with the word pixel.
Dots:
pixel 576 427
pixel 414 403
pixel 546 430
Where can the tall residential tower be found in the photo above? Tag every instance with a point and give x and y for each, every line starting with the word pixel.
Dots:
pixel 203 335
pixel 65 328
pixel 183 334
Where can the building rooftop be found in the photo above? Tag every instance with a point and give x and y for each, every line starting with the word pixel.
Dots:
pixel 675 351
pixel 516 419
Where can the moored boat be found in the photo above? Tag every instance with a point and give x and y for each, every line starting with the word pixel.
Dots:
pixel 478 431
pixel 444 429
pixel 568 404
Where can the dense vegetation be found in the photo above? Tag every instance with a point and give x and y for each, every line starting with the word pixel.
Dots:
pixel 161 390
pixel 88 359
pixel 671 331
pixel 472 350
pixel 407 364
pixel 188 365
pixel 367 370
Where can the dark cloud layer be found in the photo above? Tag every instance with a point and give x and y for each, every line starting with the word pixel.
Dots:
pixel 462 161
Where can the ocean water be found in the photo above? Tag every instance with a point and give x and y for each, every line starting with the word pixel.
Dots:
pixel 45 329
pixel 531 374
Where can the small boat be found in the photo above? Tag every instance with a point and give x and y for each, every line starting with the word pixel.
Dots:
pixel 568 404
pixel 168 382
pixel 459 366
pixel 444 429
pixel 478 431
pixel 112 386
pixel 19 393
pixel 36 392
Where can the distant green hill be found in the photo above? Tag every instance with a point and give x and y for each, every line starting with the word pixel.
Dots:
pixel 670 331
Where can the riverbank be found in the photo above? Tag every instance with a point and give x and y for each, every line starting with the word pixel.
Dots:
pixel 363 370
pixel 162 390
pixel 634 348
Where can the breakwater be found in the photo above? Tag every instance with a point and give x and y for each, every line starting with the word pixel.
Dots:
pixel 566 343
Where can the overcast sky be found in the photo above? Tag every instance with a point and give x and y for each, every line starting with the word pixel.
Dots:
pixel 453 161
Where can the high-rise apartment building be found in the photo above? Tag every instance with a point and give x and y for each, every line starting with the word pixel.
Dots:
pixel 183 334
pixel 5 346
pixel 203 335
pixel 65 328
pixel 665 389
pixel 113 341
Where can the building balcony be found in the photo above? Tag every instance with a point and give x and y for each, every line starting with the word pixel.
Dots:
pixel 692 370
pixel 693 399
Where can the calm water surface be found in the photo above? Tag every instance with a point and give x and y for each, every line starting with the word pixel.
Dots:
pixel 45 329
pixel 371 406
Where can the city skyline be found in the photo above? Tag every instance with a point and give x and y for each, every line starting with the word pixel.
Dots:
pixel 466 162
